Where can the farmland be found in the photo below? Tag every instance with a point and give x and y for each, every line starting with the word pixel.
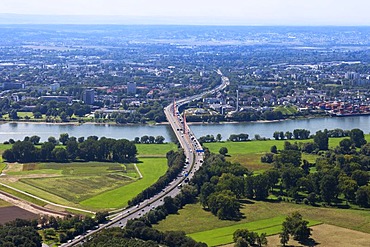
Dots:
pixel 151 168
pixel 89 185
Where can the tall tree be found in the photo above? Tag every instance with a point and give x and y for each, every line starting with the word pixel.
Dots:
pixel 64 138
pixel 321 140
pixel 329 188
pixel 357 137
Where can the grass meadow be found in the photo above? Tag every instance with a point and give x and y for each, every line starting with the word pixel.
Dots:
pixel 155 150
pixel 199 223
pixel 224 235
pixel 22 115
pixel 151 169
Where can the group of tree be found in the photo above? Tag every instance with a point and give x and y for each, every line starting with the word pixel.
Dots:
pixel 238 138
pixel 149 140
pixel 20 233
pixel 245 238
pixel 91 149
pixel 254 115
pixel 220 185
pixel 302 134
pixel 60 109
pixel 68 227
pixel 295 226
pixel 298 134
pixel 207 139
pixel 342 171
pixel 152 111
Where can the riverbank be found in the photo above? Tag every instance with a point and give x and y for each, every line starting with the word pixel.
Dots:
pixel 112 123
pixel 18 130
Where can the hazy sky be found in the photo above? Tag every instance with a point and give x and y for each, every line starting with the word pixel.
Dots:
pixel 245 12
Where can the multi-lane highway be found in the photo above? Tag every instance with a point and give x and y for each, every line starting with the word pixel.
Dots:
pixel 194 159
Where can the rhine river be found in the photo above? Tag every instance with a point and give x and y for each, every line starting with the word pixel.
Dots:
pixel 18 131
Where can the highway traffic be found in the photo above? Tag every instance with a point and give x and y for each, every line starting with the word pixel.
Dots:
pixel 194 159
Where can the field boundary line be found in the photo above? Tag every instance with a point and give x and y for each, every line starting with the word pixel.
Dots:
pixel 46 201
pixel 138 171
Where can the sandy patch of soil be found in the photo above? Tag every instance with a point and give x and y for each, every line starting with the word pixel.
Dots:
pixel 329 236
pixel 326 236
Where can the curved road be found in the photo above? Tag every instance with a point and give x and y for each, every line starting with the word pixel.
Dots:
pixel 194 157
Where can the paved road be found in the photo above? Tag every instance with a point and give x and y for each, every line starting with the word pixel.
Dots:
pixel 194 158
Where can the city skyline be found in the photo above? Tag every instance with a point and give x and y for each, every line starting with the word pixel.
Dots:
pixel 206 12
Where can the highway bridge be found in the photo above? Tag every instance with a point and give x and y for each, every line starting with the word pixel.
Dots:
pixel 194 157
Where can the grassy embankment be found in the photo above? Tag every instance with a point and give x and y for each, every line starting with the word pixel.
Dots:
pixel 90 185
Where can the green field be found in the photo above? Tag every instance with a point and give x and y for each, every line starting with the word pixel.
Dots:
pixel 224 235
pixel 155 150
pixel 151 169
pixel 90 185
pixel 83 187
pixel 22 115
pixel 55 181
pixel 248 153
pixel 95 185
pixel 22 196
pixel 286 110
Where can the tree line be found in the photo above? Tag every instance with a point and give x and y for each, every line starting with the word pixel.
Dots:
pixel 91 149
pixel 149 140
pixel 302 134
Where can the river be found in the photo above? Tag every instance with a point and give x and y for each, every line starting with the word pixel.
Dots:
pixel 18 131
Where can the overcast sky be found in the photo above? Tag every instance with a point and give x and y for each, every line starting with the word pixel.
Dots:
pixel 243 12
